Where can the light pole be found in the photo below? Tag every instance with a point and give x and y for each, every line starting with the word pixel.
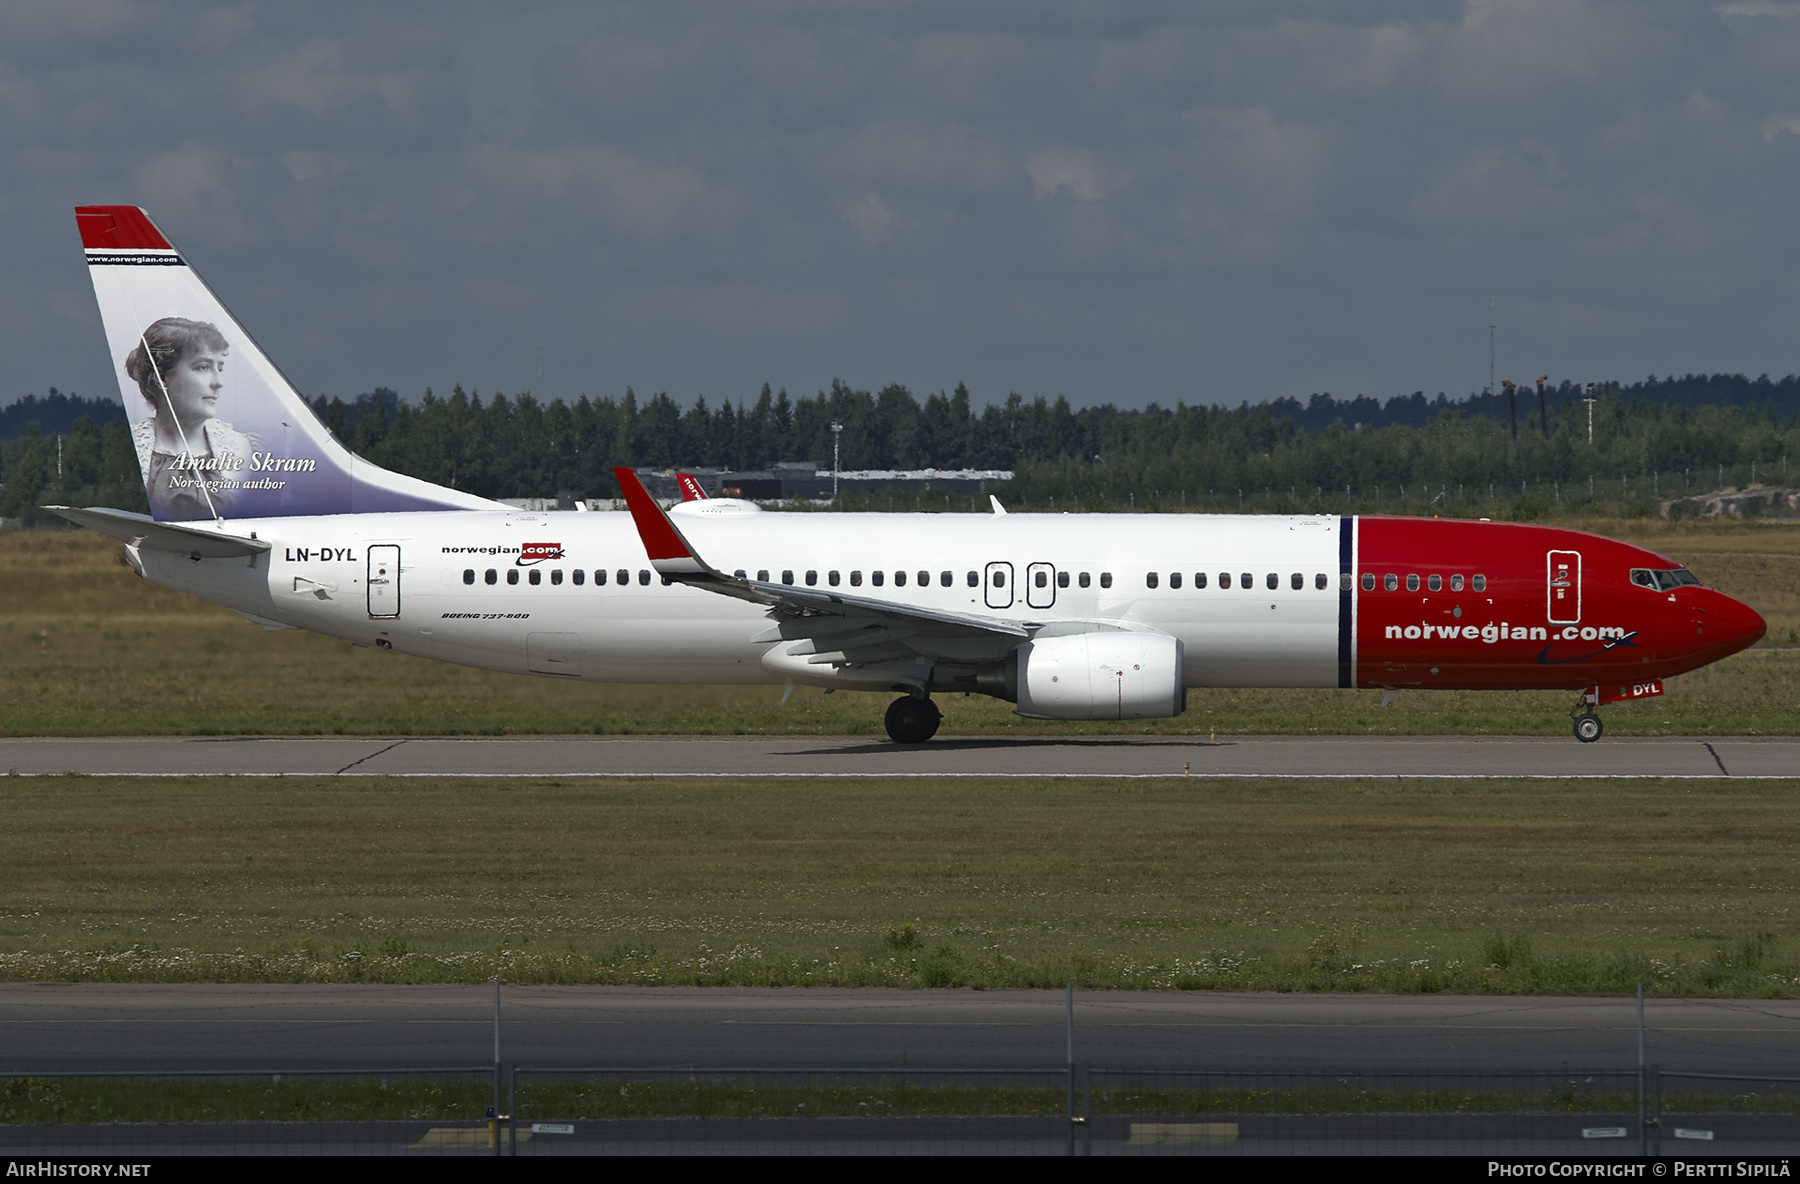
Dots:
pixel 1590 400
pixel 837 431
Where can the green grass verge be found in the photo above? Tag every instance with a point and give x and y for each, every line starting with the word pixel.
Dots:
pixel 63 1100
pixel 87 648
pixel 1505 887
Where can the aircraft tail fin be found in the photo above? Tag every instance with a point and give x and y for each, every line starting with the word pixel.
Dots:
pixel 691 489
pixel 220 432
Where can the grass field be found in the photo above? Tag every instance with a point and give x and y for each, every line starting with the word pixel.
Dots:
pixel 86 648
pixel 1508 887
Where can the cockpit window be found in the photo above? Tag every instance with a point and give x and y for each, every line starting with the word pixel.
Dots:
pixel 1663 581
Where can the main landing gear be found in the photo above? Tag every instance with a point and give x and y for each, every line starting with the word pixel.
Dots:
pixel 1587 725
pixel 912 719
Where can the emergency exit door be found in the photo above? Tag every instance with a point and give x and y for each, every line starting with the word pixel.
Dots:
pixel 384 581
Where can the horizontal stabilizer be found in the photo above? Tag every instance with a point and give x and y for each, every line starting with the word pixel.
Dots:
pixel 143 531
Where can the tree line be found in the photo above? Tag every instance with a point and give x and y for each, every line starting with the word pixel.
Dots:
pixel 1648 440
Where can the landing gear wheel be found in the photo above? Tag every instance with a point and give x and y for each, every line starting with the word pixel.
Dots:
pixel 1588 728
pixel 912 720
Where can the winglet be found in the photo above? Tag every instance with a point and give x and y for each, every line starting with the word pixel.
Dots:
pixel 668 551
pixel 691 489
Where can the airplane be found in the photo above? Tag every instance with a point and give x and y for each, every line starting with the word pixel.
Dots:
pixel 257 506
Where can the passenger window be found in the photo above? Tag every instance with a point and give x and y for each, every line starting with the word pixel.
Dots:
pixel 624 577
pixel 1321 580
pixel 1435 583
pixel 1391 582
pixel 1174 579
pixel 1298 581
pixel 738 574
pixel 999 579
pixel 556 575
pixel 491 575
pixel 1225 579
pixel 1150 580
pixel 1456 583
pixel 469 575
pixel 1199 579
pixel 812 578
pixel 1368 581
pixel 579 576
pixel 536 577
pixel 1043 579
pixel 787 577
pixel 644 577
pixel 1274 581
pixel 599 577
pixel 899 579
pixel 1412 583
pixel 878 578
pixel 1084 580
pixel 667 580
pixel 1062 579
pixel 946 578
pixel 1106 579
pixel 974 580
pixel 1479 583
pixel 512 575
pixel 762 575
pixel 831 577
pixel 1249 582
pixel 855 579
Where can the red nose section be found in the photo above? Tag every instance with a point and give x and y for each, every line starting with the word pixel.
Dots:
pixel 1732 625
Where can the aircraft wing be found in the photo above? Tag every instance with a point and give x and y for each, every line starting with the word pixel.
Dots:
pixel 671 555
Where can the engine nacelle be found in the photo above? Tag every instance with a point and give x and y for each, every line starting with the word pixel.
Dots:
pixel 1101 675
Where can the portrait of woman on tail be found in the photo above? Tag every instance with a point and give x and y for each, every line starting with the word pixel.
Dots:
pixel 190 457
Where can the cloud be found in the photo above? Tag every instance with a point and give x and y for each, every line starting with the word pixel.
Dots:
pixel 870 216
pixel 1059 169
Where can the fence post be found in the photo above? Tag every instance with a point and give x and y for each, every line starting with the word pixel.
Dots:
pixel 1655 1109
pixel 494 1112
pixel 1069 1063
pixel 1087 1111
pixel 512 1109
pixel 1643 1130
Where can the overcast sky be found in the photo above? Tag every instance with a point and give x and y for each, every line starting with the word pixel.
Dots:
pixel 1111 201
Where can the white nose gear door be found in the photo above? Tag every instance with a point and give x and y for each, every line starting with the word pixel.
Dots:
pixel 384 581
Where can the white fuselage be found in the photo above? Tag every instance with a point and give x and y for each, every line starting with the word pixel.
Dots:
pixel 437 601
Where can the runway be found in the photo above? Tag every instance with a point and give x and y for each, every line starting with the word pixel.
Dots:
pixel 145 1027
pixel 1127 757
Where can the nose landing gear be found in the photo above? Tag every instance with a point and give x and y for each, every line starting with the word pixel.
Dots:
pixel 1588 727
pixel 912 719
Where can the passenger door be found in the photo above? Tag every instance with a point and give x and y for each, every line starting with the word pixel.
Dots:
pixel 1564 587
pixel 1040 585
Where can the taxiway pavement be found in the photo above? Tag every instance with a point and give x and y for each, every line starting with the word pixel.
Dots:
pixel 951 756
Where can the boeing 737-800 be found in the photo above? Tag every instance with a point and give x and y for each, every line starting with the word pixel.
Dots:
pixel 255 505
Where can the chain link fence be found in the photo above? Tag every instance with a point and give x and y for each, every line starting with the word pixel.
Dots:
pixel 515 1110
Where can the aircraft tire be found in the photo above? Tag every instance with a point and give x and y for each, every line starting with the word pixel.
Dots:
pixel 912 720
pixel 1588 728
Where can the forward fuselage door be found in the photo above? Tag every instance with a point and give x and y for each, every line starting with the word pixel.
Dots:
pixel 384 581
pixel 1040 585
pixel 1564 605
pixel 999 585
